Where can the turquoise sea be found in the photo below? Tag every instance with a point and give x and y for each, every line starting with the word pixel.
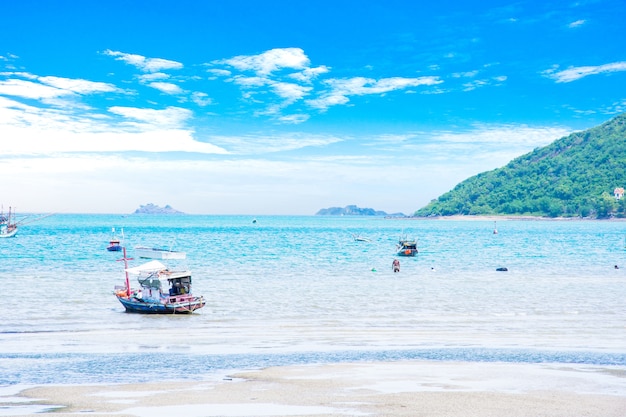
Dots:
pixel 300 290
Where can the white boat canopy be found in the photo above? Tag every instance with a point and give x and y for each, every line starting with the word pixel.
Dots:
pixel 152 266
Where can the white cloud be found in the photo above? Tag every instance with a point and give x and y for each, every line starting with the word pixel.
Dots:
pixel 77 85
pixel 576 23
pixel 294 118
pixel 30 90
pixel 167 88
pixel 219 73
pixel 328 100
pixel 35 131
pixel 143 63
pixel 576 73
pixel 362 85
pixel 504 135
pixel 270 61
pixel 146 78
pixel 308 74
pixel 262 144
pixel 467 74
pixel 340 89
pixel 51 87
pixel 290 92
pixel 53 142
pixel 201 99
pixel 250 81
pixel 157 119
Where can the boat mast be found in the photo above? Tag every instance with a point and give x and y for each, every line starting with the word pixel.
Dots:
pixel 125 259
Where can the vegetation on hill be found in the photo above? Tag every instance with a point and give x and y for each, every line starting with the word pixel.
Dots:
pixel 574 176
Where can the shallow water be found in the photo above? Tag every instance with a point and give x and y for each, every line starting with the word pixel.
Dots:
pixel 292 290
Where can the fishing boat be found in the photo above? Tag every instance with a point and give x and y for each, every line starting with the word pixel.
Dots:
pixel 8 225
pixel 161 290
pixel 406 247
pixel 115 244
pixel 158 253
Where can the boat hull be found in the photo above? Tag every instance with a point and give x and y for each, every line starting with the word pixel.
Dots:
pixel 12 233
pixel 135 305
pixel 407 252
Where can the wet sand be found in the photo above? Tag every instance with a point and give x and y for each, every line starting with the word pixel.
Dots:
pixel 411 388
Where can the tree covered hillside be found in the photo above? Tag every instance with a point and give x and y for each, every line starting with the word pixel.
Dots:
pixel 574 176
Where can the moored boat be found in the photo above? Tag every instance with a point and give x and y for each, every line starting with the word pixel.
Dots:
pixel 8 226
pixel 359 238
pixel 406 247
pixel 115 244
pixel 161 290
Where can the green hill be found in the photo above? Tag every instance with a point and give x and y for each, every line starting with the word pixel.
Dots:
pixel 575 176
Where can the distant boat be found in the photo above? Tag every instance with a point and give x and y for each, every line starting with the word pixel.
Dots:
pixel 158 253
pixel 8 225
pixel 406 247
pixel 360 238
pixel 161 290
pixel 115 244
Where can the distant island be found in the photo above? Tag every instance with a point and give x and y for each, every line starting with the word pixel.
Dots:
pixel 154 209
pixel 353 210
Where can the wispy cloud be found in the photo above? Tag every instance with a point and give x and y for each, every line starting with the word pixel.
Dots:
pixel 493 81
pixel 52 131
pixel 264 144
pixel 340 89
pixel 576 24
pixel 168 88
pixel 576 73
pixel 287 74
pixel 38 88
pixel 267 62
pixel 143 63
pixel 201 99
pixel 172 117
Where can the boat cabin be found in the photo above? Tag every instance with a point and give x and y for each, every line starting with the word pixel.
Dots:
pixel 165 286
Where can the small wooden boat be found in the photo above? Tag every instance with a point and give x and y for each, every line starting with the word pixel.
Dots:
pixel 115 245
pixel 161 290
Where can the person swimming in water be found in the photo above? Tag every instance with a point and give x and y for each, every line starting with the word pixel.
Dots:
pixel 395 265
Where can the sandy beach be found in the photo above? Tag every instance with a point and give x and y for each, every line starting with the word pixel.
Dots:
pixel 421 388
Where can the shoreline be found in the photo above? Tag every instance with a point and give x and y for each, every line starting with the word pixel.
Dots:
pixel 403 388
pixel 473 217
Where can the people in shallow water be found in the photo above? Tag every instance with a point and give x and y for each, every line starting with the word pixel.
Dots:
pixel 616 267
pixel 395 265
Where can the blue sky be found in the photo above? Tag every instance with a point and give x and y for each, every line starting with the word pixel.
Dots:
pixel 286 107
